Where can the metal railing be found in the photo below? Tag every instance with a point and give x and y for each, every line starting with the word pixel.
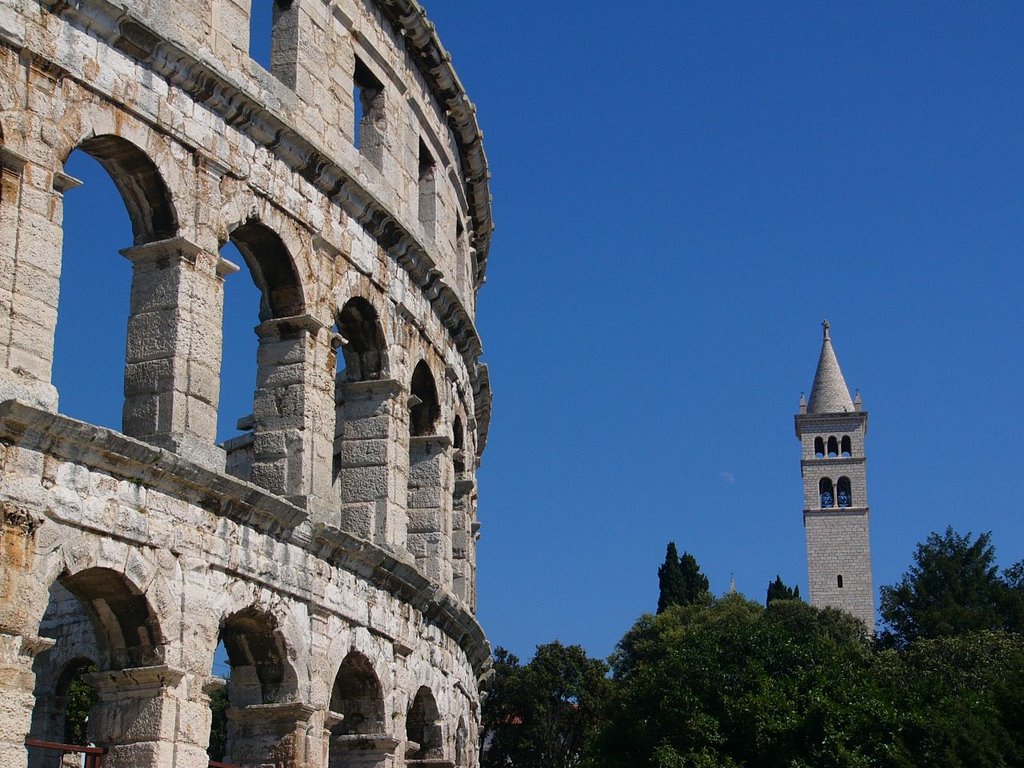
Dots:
pixel 93 755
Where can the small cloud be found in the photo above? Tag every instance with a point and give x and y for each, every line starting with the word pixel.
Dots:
pixel 729 477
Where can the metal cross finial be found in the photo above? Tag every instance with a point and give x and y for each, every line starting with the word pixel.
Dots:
pixel 825 325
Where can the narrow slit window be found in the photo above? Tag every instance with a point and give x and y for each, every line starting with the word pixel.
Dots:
pixel 427 189
pixel 839 581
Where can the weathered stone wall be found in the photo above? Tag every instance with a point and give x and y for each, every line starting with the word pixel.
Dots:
pixel 330 548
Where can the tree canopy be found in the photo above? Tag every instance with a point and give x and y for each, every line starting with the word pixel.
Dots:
pixel 952 587
pixel 544 714
pixel 777 590
pixel 680 581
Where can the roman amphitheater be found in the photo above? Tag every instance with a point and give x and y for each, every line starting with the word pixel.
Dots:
pixel 328 550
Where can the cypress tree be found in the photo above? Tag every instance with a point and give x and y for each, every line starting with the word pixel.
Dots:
pixel 680 581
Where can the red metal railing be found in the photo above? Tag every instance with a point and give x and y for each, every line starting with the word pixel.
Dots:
pixel 93 755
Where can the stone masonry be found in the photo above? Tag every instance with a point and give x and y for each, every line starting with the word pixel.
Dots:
pixel 831 428
pixel 330 550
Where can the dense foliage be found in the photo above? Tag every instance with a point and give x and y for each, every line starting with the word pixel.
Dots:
pixel 777 590
pixel 680 581
pixel 953 587
pixel 723 683
pixel 544 714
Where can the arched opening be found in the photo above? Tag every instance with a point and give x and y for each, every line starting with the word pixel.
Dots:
pixel 61 713
pixel 217 689
pixel 425 409
pixel 99 622
pixel 826 492
pixel 278 345
pixel 357 699
pixel 107 341
pixel 423 729
pixel 845 446
pixel 362 356
pixel 260 675
pixel 833 447
pixel 819 448
pixel 843 493
pixel 459 444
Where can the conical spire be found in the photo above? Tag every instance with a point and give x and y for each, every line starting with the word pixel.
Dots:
pixel 829 393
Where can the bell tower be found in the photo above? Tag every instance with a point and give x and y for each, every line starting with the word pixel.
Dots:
pixel 831 428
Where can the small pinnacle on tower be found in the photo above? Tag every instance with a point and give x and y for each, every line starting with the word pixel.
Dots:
pixel 825 325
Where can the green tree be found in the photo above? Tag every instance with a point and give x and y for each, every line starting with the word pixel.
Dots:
pixel 962 698
pixel 729 683
pixel 219 704
pixel 79 700
pixel 680 581
pixel 544 714
pixel 777 590
pixel 953 587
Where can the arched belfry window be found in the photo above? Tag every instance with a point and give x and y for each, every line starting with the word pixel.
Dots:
pixel 819 448
pixel 845 446
pixel 833 447
pixel 826 492
pixel 843 494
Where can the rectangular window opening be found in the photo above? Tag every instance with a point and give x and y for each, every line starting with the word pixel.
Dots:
pixel 368 106
pixel 427 190
pixel 839 581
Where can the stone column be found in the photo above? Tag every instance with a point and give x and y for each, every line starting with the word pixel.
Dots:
pixel 430 506
pixel 357 750
pixel 137 718
pixel 293 411
pixel 31 213
pixel 462 538
pixel 366 456
pixel 272 734
pixel 173 354
pixel 17 699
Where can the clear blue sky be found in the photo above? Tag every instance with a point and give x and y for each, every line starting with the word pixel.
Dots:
pixel 682 193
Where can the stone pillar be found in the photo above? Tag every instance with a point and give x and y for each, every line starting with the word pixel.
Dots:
pixel 31 234
pixel 272 734
pixel 138 717
pixel 357 750
pixel 430 506
pixel 173 354
pixel 463 539
pixel 17 699
pixel 366 455
pixel 293 412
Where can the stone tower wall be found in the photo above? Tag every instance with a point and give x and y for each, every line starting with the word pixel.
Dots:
pixel 838 538
pixel 330 547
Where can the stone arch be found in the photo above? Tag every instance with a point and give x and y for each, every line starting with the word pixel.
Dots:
pixel 55 679
pixel 819 448
pixel 423 728
pixel 357 694
pixel 426 408
pixel 258 657
pixel 273 269
pixel 140 183
pixel 845 446
pixel 365 348
pixel 127 628
pixel 833 447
